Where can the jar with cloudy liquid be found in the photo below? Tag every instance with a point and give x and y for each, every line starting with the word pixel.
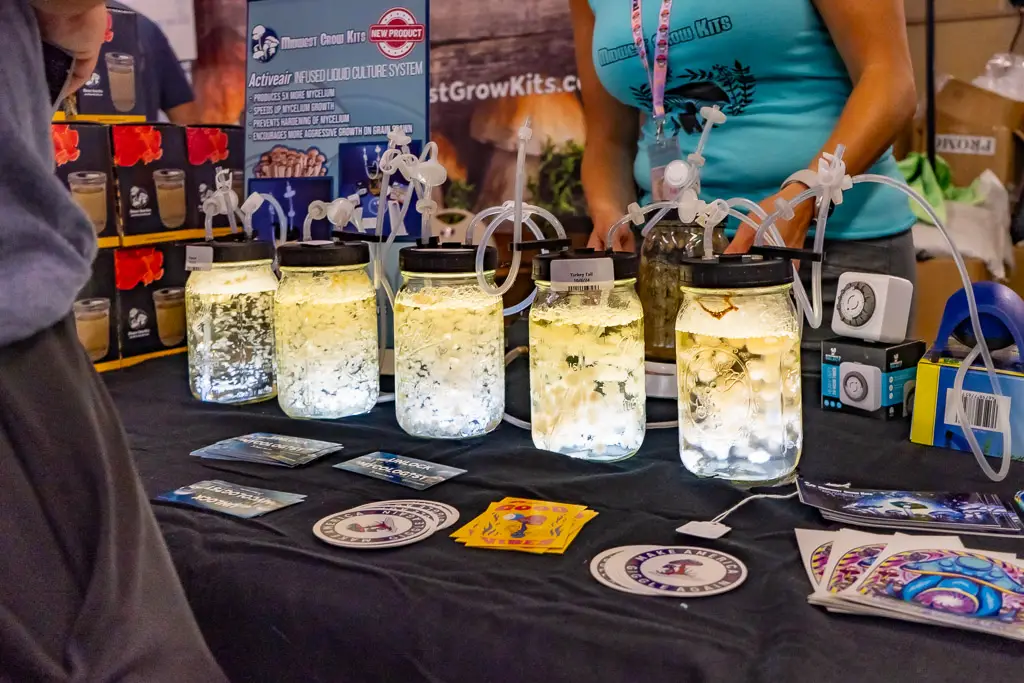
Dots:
pixel 664 246
pixel 449 345
pixel 738 363
pixel 229 308
pixel 587 385
pixel 325 323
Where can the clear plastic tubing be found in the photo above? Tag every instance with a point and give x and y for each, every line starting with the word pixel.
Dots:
pixel 768 228
pixel 514 269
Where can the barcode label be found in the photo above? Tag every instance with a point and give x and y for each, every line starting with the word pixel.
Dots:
pixel 582 275
pixel 983 411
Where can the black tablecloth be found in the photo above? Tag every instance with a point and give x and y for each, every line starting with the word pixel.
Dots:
pixel 278 605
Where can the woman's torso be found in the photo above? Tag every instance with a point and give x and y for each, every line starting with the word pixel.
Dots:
pixel 773 68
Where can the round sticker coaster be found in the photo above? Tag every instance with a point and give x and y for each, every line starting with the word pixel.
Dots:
pixel 445 514
pixel 430 514
pixel 678 571
pixel 374 528
pixel 599 566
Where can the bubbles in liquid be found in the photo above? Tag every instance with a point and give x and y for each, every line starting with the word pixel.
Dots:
pixel 449 361
pixel 587 380
pixel 740 401
pixel 327 355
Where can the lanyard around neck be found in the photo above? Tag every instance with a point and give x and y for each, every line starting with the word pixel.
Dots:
pixel 657 75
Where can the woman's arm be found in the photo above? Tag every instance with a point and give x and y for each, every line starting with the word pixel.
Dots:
pixel 612 130
pixel 872 39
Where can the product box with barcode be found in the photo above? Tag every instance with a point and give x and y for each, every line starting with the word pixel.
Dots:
pixel 95 312
pixel 991 415
pixel 114 93
pixel 869 379
pixel 85 166
pixel 151 301
pixel 211 150
pixel 151 166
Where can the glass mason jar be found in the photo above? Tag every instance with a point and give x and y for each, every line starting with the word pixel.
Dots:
pixel 587 387
pixel 230 322
pixel 738 361
pixel 449 345
pixel 667 243
pixel 325 322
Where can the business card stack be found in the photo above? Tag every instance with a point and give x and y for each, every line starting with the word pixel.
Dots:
pixel 269 449
pixel 523 525
pixel 922 579
pixel 231 499
pixel 957 513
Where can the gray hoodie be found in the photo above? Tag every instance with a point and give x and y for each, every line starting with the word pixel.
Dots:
pixel 46 243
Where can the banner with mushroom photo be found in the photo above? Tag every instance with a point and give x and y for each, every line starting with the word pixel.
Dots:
pixel 493 65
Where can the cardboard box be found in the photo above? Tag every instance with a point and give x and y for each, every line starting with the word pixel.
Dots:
pixel 151 166
pixel 151 301
pixel 977 130
pixel 873 380
pixel 937 280
pixel 210 150
pixel 935 421
pixel 114 93
pixel 85 166
pixel 96 314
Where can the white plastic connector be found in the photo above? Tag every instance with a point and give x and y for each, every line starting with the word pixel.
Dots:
pixel 635 213
pixel 252 204
pixel 785 209
pixel 689 206
pixel 833 178
pixel 317 210
pixel 398 138
pixel 341 211
pixel 426 205
pixel 526 132
pixel 713 115
pixel 678 175
pixel 714 213
pixel 431 173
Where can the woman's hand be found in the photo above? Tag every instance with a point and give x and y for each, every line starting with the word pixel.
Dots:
pixel 624 240
pixel 78 31
pixel 793 231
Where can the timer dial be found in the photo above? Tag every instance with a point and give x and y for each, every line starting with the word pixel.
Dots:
pixel 856 304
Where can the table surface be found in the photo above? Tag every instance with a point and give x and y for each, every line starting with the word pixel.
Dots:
pixel 278 605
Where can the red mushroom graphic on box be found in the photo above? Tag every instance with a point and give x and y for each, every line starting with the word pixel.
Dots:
pixel 137 268
pixel 65 144
pixel 207 149
pixel 135 146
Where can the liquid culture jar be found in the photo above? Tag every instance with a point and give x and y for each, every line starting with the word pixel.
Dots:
pixel 325 322
pixel 449 344
pixel 665 245
pixel 738 358
pixel 587 384
pixel 230 322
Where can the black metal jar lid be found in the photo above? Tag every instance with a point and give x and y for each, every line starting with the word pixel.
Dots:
pixel 238 249
pixel 325 254
pixel 452 257
pixel 735 271
pixel 626 264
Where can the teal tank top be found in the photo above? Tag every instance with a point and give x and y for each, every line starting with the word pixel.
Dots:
pixel 773 69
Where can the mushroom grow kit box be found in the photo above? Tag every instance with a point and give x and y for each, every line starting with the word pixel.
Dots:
pixel 326 83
